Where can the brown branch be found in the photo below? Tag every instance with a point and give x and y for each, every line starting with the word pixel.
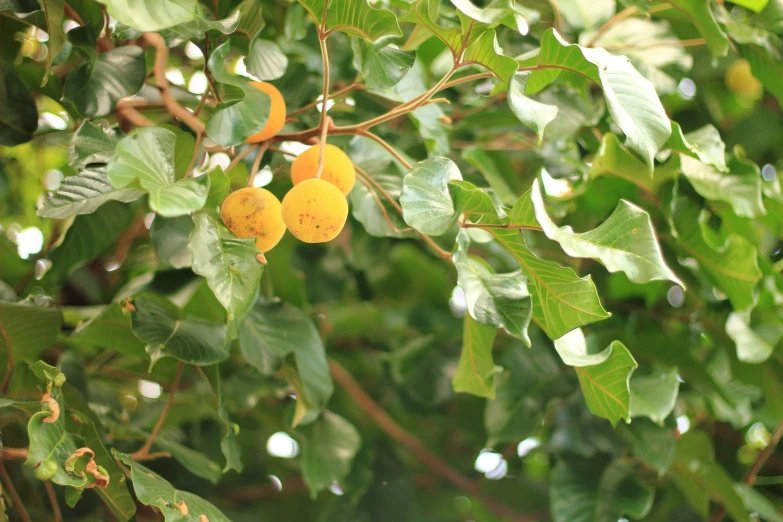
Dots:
pixel 144 452
pixel 127 112
pixel 58 515
pixel 755 468
pixel 239 158
pixel 382 207
pixel 324 125
pixel 431 461
pixel 159 70
pixel 257 162
pixel 9 486
pixel 13 453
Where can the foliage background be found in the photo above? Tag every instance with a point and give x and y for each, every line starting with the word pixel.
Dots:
pixel 409 397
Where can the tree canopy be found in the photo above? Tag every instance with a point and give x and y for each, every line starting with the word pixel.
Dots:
pixel 553 292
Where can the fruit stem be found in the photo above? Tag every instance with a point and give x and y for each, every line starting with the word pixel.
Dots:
pixel 257 162
pixel 324 125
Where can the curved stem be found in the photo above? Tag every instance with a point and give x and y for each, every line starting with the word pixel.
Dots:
pixel 58 515
pixel 257 162
pixel 434 463
pixel 239 158
pixel 144 452
pixel 377 139
pixel 9 486
pixel 324 125
pixel 619 17
pixel 345 90
pixel 504 226
pixel 159 70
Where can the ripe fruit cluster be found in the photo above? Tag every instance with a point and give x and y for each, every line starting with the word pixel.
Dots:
pixel 314 210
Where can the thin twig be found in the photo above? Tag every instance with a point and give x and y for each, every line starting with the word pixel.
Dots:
pixel 9 486
pixel 144 452
pixel 619 17
pixel 694 42
pixel 385 145
pixel 465 79
pixel 336 94
pixel 10 367
pixel 159 70
pixel 505 225
pixel 58 515
pixel 438 250
pixel 324 125
pixel 257 162
pixel 382 207
pixel 196 149
pixel 201 102
pixel 434 463
pixel 239 157
pixel 13 453
pixel 127 112
pixel 755 468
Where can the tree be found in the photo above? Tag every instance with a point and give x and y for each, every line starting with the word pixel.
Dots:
pixel 557 296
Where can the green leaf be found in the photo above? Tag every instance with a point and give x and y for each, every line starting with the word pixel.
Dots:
pixel 613 159
pixel 115 495
pixel 219 187
pixel 153 490
pixel 741 187
pixel 95 87
pixel 275 330
pixel 161 325
pixel 484 50
pixel 497 300
pixel 530 112
pixel 28 329
pixel 701 479
pixel 251 19
pixel 244 110
pixel 699 12
pixel 170 238
pixel 476 370
pixel 754 334
pixel 92 144
pixel 55 14
pixel 655 395
pixel 484 163
pixel 146 157
pixel 648 45
pixel 50 442
pixel 586 15
pixel 110 329
pixel 530 377
pixel 152 15
pixel 354 17
pixel 196 28
pixel 229 444
pixel 606 385
pixel 266 61
pixel 18 114
pixel 704 144
pixel 494 13
pixel 625 242
pixel 758 503
pixel 578 495
pixel 574 350
pixel 733 267
pixel 426 202
pixel 561 300
pixel 630 98
pixel 753 5
pixel 229 264
pixel 84 193
pixel 89 236
pixel 194 461
pixel 382 66
pixel 329 446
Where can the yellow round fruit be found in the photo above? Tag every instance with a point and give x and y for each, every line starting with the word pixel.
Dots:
pixel 338 167
pixel 277 113
pixel 254 212
pixel 740 79
pixel 315 211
